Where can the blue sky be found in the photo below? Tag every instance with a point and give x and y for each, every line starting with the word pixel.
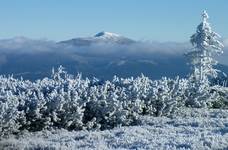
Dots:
pixel 159 20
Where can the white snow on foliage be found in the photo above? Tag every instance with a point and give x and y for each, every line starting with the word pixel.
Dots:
pixel 190 129
pixel 68 112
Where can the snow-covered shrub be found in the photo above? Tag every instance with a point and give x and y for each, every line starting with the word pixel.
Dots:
pixel 56 102
pixel 33 106
pixel 200 94
pixel 108 106
pixel 167 96
pixel 159 97
pixel 9 114
pixel 117 102
pixel 222 99
pixel 65 98
pixel 138 92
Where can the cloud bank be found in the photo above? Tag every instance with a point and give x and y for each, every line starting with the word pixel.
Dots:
pixel 25 45
pixel 34 59
pixel 22 45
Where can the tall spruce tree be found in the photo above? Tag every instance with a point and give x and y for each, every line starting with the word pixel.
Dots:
pixel 206 43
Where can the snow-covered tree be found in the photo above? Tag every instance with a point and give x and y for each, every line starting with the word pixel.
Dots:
pixel 206 43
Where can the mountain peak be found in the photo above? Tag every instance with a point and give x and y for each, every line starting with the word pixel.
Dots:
pixel 106 34
pixel 101 37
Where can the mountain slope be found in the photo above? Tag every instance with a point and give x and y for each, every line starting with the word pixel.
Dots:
pixel 101 37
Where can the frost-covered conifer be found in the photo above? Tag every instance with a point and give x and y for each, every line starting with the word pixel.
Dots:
pixel 206 43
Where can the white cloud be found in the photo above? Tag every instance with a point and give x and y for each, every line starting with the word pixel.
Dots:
pixel 25 45
pixel 149 50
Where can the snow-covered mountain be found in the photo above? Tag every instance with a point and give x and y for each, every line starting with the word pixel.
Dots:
pixel 103 56
pixel 101 37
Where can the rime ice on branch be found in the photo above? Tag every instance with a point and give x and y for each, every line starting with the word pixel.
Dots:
pixel 206 43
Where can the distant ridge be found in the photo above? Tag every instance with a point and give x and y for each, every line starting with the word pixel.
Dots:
pixel 101 37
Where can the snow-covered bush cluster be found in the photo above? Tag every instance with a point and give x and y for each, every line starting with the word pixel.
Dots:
pixel 70 102
pixel 73 103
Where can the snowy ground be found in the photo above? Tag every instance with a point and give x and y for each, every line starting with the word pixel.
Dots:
pixel 192 129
